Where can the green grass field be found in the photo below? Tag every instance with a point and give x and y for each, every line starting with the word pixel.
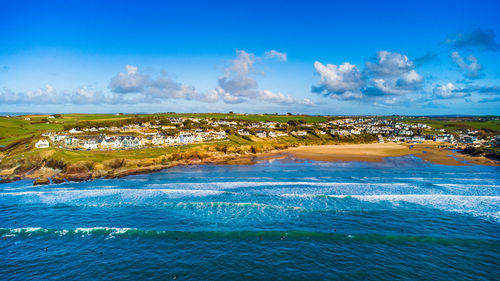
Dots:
pixel 250 117
pixel 492 126
pixel 12 129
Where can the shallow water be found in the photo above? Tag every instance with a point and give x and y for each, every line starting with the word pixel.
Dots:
pixel 402 219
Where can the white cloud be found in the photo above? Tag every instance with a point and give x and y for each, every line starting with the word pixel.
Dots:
pixel 163 87
pixel 129 82
pixel 351 96
pixel 449 91
pixel 131 69
pixel 152 88
pixel 211 96
pixel 85 92
pixel 390 74
pixel 46 92
pixel 394 74
pixel 49 95
pixel 307 102
pixel 228 98
pixel 387 87
pixel 389 65
pixel 337 80
pixel 134 86
pixel 237 80
pixel 411 77
pixel 279 98
pixel 471 70
pixel 237 85
pixel 275 54
pixel 85 95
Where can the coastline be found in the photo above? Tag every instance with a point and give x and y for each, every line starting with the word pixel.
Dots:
pixel 374 152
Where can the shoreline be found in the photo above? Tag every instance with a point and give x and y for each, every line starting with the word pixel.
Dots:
pixel 374 152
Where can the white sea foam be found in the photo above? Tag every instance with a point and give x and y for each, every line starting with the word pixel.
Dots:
pixel 105 197
pixel 245 184
pixel 113 196
pixel 83 231
pixel 483 206
pixel 238 205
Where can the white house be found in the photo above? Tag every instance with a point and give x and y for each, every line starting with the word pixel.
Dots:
pixel 130 141
pixel 261 134
pixel 172 140
pixel 186 138
pixel 168 140
pixel 243 132
pixel 112 142
pixel 90 144
pixel 157 140
pixel 71 141
pixel 75 131
pixel 42 144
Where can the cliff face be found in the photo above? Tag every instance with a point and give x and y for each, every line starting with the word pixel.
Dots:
pixel 47 170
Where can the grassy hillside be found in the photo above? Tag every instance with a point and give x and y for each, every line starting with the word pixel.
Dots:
pixel 486 124
pixel 16 128
pixel 13 129
pixel 250 117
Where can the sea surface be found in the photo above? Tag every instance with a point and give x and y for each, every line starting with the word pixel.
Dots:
pixel 276 220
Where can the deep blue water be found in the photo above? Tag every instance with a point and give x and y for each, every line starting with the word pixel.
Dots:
pixel 282 220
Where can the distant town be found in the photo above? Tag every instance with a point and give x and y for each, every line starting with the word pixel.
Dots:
pixel 174 131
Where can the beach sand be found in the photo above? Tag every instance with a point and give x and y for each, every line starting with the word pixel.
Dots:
pixel 378 151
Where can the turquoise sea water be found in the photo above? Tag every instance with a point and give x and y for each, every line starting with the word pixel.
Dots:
pixel 284 220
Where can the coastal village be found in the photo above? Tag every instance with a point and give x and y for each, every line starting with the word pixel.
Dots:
pixel 77 147
pixel 186 130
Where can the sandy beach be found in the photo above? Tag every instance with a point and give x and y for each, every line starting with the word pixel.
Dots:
pixel 378 151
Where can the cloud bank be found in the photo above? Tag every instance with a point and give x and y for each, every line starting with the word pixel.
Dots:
pixel 238 86
pixel 133 86
pixel 386 76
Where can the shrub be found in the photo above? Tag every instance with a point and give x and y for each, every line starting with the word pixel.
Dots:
pixel 79 167
pixel 56 164
pixel 114 163
pixel 246 138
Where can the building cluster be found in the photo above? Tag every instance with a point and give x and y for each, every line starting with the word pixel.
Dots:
pixel 132 136
pixel 411 133
pixel 80 139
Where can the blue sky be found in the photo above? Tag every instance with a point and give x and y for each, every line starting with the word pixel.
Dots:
pixel 316 57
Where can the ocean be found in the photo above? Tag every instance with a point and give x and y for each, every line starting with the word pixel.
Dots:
pixel 403 219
